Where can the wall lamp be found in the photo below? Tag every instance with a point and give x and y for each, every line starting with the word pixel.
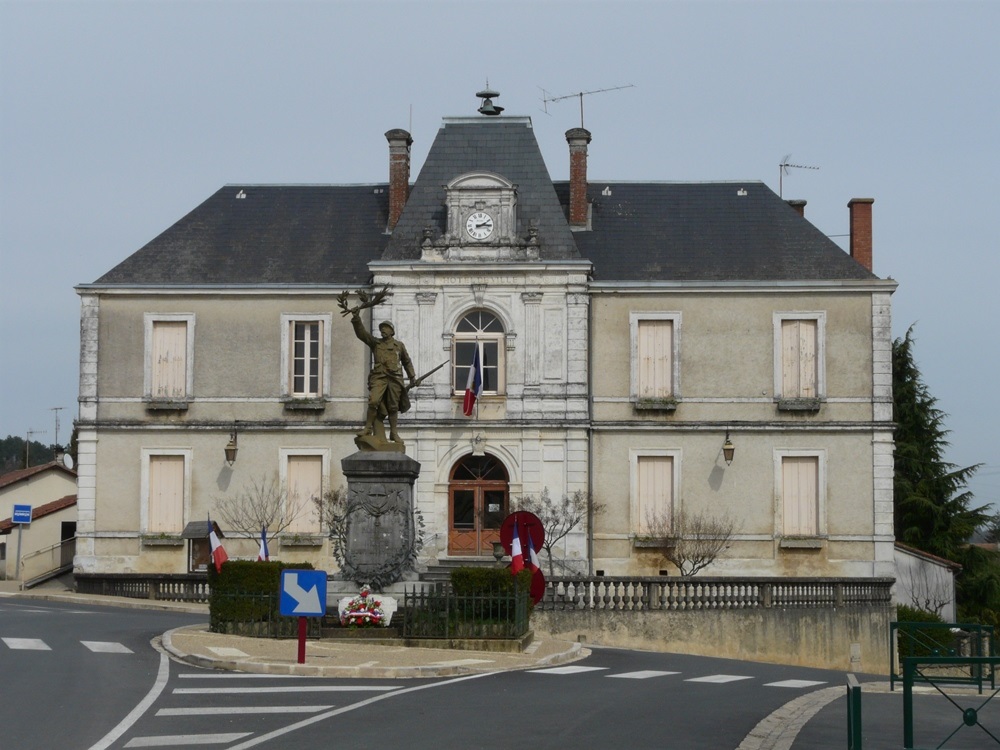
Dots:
pixel 231 446
pixel 728 450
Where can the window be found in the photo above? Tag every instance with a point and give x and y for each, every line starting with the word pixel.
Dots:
pixel 798 360
pixel 654 490
pixel 655 366
pixel 166 490
pixel 304 485
pixel 801 482
pixel 305 350
pixel 169 343
pixel 484 331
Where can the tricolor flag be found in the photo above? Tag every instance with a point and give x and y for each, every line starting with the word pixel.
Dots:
pixel 219 555
pixel 474 384
pixel 532 561
pixel 516 556
pixel 262 556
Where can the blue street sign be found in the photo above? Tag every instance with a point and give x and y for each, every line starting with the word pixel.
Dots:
pixel 303 593
pixel 21 514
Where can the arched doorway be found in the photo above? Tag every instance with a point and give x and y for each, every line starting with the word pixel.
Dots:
pixel 478 498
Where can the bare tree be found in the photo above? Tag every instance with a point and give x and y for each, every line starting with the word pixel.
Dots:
pixel 926 593
pixel 263 502
pixel 558 517
pixel 689 542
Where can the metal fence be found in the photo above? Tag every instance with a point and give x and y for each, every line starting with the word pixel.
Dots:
pixel 445 614
pixel 932 639
pixel 968 718
pixel 256 615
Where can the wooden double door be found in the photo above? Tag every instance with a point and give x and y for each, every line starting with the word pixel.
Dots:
pixel 478 502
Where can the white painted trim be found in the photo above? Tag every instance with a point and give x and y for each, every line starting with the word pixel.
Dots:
pixel 634 319
pixel 148 319
pixel 781 453
pixel 820 317
pixel 287 319
pixel 146 454
pixel 634 454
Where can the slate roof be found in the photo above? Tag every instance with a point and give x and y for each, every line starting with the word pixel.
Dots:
pixel 643 231
pixel 640 231
pixel 506 146
pixel 7 525
pixel 277 234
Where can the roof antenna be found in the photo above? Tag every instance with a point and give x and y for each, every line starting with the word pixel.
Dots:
pixel 581 94
pixel 783 170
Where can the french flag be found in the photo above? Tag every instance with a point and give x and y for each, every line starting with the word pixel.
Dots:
pixel 219 555
pixel 474 384
pixel 262 556
pixel 532 561
pixel 516 555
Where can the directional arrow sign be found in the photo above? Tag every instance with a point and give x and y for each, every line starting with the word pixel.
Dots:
pixel 303 593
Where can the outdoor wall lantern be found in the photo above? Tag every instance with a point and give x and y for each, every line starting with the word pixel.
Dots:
pixel 728 450
pixel 231 447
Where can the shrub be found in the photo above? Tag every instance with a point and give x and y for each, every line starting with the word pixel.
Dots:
pixel 247 592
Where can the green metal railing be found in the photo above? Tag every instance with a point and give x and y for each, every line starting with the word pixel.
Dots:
pixel 853 713
pixel 256 615
pixel 924 669
pixel 444 614
pixel 933 639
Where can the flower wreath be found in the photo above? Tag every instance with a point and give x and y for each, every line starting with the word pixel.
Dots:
pixel 363 611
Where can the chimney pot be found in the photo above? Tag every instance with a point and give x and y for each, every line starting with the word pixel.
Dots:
pixel 799 205
pixel 399 172
pixel 578 139
pixel 861 230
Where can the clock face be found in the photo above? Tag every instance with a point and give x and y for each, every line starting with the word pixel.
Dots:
pixel 479 225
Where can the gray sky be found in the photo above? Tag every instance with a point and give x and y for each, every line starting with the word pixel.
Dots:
pixel 117 118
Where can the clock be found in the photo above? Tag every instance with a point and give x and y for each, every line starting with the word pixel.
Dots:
pixel 479 225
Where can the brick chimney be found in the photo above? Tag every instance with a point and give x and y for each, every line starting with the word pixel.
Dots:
pixel 399 173
pixel 861 230
pixel 578 138
pixel 799 205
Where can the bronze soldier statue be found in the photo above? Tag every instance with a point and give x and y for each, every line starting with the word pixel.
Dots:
pixel 387 394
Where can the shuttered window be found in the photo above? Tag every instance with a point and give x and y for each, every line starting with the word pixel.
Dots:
pixel 169 359
pixel 800 495
pixel 655 359
pixel 166 495
pixel 654 484
pixel 799 347
pixel 304 483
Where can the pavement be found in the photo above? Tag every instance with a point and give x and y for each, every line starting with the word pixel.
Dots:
pixel 815 720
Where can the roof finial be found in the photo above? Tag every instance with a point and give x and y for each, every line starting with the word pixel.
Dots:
pixel 488 108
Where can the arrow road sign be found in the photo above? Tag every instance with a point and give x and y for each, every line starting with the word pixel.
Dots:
pixel 21 514
pixel 303 593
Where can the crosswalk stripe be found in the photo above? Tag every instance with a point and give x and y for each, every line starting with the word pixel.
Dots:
pixel 644 674
pixel 567 670
pixel 292 689
pixel 107 647
pixel 720 678
pixel 173 740
pixel 795 683
pixel 220 710
pixel 26 644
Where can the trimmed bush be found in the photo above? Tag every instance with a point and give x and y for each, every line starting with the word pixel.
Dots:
pixel 244 598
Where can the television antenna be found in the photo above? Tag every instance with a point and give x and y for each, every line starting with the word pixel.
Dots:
pixel 783 170
pixel 27 445
pixel 57 409
pixel 546 98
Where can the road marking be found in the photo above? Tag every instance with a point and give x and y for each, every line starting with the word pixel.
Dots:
pixel 293 689
pixel 226 651
pixel 218 710
pixel 461 662
pixel 794 683
pixel 567 670
pixel 27 644
pixel 241 676
pixel 106 647
pixel 719 678
pixel 154 692
pixel 172 740
pixel 644 674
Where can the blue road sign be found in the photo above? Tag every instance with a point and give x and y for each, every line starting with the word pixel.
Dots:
pixel 303 593
pixel 21 514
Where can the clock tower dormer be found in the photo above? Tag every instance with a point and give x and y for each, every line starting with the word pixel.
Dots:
pixel 482 210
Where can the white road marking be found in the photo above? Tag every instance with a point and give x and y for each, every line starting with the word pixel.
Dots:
pixel 241 676
pixel 226 651
pixel 161 680
pixel 173 740
pixel 293 689
pixel 106 647
pixel 644 674
pixel 27 644
pixel 719 678
pixel 219 710
pixel 794 683
pixel 461 662
pixel 567 670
